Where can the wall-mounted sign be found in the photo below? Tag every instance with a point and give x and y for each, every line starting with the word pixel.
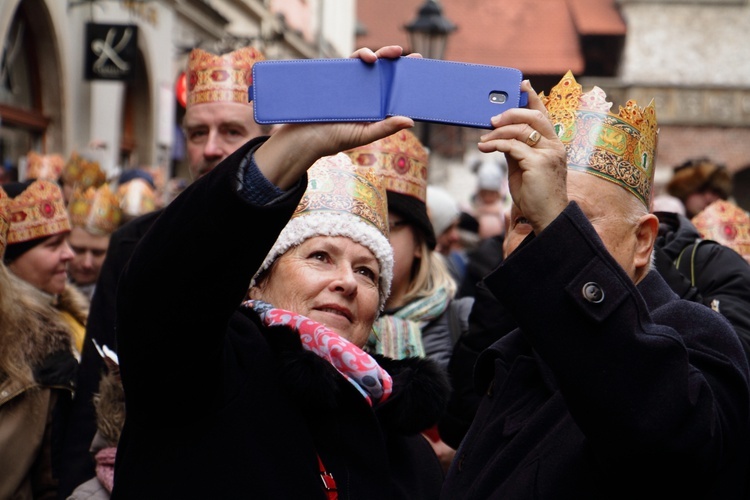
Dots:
pixel 110 51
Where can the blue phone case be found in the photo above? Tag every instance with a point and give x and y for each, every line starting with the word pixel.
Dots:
pixel 327 90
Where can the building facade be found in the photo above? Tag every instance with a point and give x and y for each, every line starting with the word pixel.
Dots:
pixel 99 77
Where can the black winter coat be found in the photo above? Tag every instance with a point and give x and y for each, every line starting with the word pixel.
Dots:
pixel 220 406
pixel 722 276
pixel 77 464
pixel 636 395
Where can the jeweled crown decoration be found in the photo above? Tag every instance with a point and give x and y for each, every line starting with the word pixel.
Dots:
pixel 82 173
pixel 336 185
pixel 618 147
pixel 48 167
pixel 95 210
pixel 224 78
pixel 726 223
pixel 401 160
pixel 37 212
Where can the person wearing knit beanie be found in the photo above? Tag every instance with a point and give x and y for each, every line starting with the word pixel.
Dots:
pixel 444 215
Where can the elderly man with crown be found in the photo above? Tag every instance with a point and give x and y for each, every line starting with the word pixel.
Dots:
pixel 218 120
pixel 610 386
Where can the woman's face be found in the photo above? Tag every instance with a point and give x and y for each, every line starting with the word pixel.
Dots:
pixel 43 266
pixel 406 249
pixel 330 279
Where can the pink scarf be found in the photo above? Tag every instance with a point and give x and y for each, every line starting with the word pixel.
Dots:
pixel 358 367
pixel 105 467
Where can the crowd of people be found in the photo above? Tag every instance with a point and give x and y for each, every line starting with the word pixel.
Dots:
pixel 311 318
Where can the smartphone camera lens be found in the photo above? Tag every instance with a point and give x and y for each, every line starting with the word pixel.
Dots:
pixel 497 97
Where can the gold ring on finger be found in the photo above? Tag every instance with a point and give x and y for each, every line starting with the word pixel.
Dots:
pixel 534 137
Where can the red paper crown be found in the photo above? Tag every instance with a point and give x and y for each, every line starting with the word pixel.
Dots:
pixel 44 166
pixel 402 161
pixel 726 223
pixel 37 212
pixel 225 78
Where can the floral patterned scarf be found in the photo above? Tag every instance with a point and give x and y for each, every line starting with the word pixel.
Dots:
pixel 358 367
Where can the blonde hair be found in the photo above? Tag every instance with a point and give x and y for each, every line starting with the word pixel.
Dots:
pixel 430 274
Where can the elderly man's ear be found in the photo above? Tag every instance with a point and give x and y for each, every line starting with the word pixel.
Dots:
pixel 646 233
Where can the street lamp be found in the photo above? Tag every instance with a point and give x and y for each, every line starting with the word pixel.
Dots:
pixel 428 33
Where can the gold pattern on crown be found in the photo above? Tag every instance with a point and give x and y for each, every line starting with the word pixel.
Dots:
pixel 37 212
pixel 402 161
pixel 336 185
pixel 44 166
pixel 620 148
pixel 82 173
pixel 95 210
pixel 225 78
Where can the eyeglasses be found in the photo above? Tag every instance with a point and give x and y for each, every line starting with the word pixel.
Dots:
pixel 393 225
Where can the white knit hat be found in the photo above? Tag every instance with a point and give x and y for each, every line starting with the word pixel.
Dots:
pixel 341 200
pixel 442 209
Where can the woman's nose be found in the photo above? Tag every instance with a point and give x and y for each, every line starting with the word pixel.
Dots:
pixel 344 280
pixel 67 252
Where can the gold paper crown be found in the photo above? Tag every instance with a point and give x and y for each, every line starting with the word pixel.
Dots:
pixel 37 212
pixel 4 222
pixel 136 197
pixel 225 78
pixel 82 173
pixel 726 223
pixel 336 185
pixel 95 210
pixel 44 166
pixel 402 161
pixel 619 147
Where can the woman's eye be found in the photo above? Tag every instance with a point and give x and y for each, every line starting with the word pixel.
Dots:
pixel 368 273
pixel 321 256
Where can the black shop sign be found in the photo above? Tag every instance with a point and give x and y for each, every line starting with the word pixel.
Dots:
pixel 110 51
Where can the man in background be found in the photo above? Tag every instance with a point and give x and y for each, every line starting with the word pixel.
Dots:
pixel 218 120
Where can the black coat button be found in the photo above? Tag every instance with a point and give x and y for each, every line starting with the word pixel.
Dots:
pixel 593 292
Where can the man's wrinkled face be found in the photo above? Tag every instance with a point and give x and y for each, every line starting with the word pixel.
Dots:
pixel 606 205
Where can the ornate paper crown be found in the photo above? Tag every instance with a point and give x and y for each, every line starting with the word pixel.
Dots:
pixel 337 186
pixel 225 78
pixel 726 223
pixel 37 212
pixel 82 173
pixel 401 160
pixel 341 200
pixel 620 148
pixel 44 166
pixel 4 222
pixel 95 210
pixel 136 198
